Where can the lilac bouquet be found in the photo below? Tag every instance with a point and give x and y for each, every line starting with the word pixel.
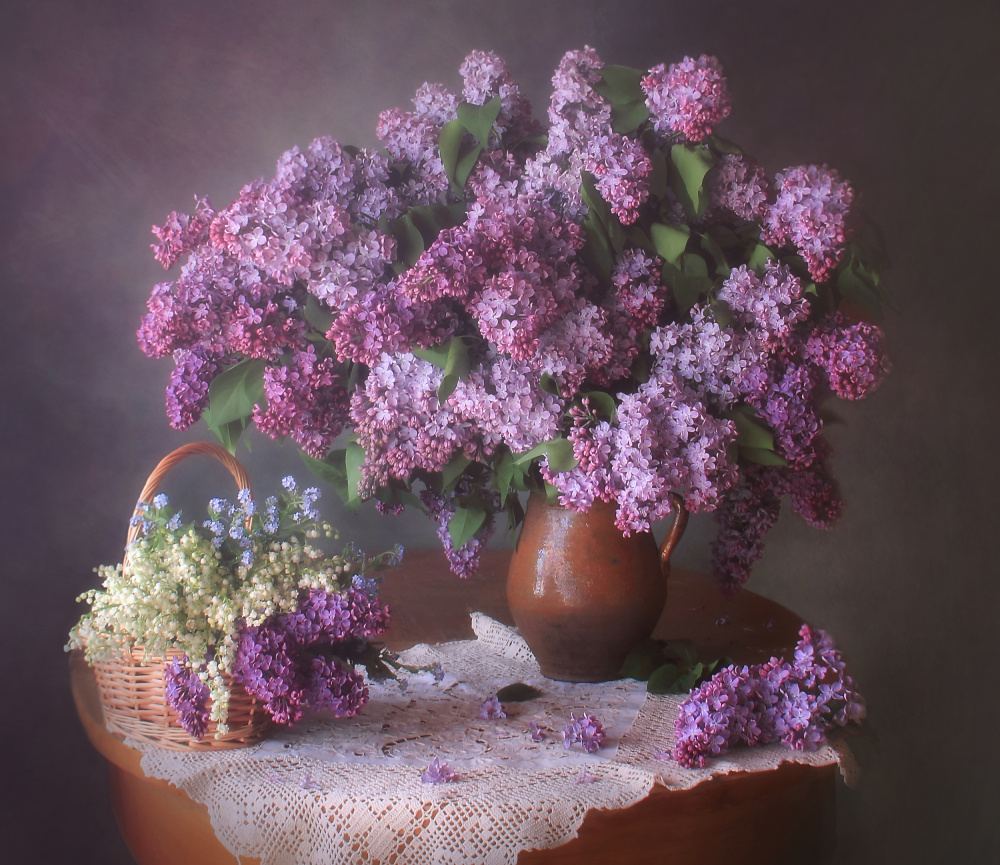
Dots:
pixel 246 597
pixel 621 307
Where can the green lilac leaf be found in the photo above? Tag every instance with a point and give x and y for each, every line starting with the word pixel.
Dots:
pixel 691 165
pixel 429 220
pixel 724 145
pixel 723 314
pixel 549 384
pixel 621 84
pixel 642 660
pixel 762 456
pixel 760 255
pixel 725 237
pixel 750 432
pixel 628 116
pixel 601 402
pixel 465 522
pixel 659 176
pixel 436 354
pixel 693 264
pixel 597 251
pixel 228 434
pixel 688 679
pixel 456 367
pixel 234 393
pixel 518 692
pixel 670 241
pixel 450 146
pixel 354 459
pixel 688 289
pixel 504 475
pixel 465 165
pixel 454 469
pixel 317 315
pixel 333 470
pixel 479 119
pixel 710 246
pixel 558 450
pixel 683 650
pixel 662 679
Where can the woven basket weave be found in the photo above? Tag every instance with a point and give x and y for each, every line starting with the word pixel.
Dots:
pixel 132 686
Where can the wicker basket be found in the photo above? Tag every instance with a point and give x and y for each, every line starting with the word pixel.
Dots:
pixel 133 687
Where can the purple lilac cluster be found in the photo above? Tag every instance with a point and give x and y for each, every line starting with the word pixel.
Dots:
pixel 545 281
pixel 810 212
pixel 793 703
pixel 188 696
pixel 689 97
pixel 301 659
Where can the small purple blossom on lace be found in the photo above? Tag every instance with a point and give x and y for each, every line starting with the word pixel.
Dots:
pixel 586 731
pixel 438 773
pixel 538 734
pixel 491 709
pixel 585 777
pixel 689 97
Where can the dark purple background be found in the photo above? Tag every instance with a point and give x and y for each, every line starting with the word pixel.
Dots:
pixel 114 113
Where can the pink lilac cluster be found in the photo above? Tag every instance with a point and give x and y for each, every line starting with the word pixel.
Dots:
pixel 410 137
pixel 397 414
pixel 542 277
pixel 188 696
pixel 295 660
pixel 739 185
pixel 769 305
pixel 851 355
pixel 793 703
pixel 305 401
pixel 810 212
pixel 585 731
pixel 689 97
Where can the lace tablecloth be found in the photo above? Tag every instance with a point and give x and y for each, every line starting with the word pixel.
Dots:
pixel 349 790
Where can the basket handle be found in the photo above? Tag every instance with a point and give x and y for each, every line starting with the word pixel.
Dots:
pixel 172 459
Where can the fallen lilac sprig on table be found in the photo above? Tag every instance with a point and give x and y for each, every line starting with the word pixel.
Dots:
pixel 795 704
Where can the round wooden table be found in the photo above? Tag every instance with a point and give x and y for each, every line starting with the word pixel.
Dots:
pixel 785 815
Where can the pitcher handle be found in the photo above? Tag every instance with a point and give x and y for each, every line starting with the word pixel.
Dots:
pixel 675 532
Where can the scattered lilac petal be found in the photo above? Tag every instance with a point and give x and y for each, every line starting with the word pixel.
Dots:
pixel 438 773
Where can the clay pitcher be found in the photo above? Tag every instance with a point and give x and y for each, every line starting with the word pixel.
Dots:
pixel 581 593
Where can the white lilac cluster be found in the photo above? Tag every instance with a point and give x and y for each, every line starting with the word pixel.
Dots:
pixel 623 306
pixel 193 590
